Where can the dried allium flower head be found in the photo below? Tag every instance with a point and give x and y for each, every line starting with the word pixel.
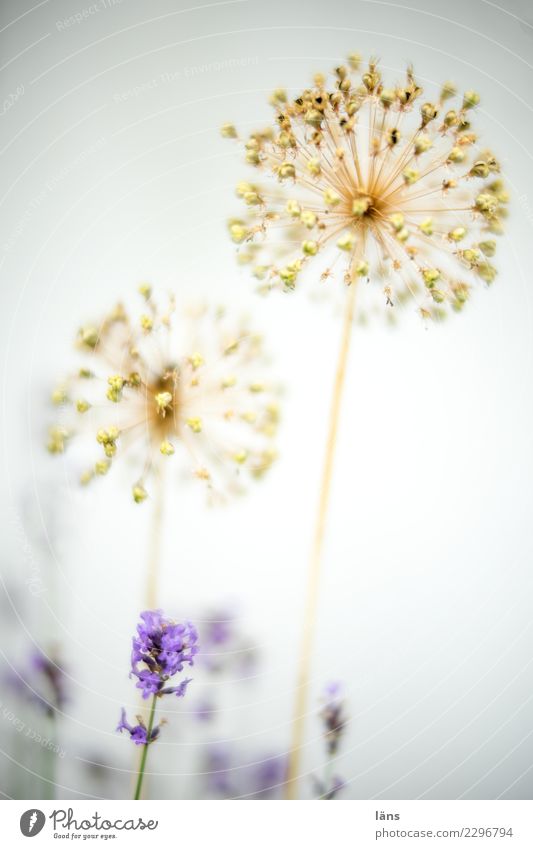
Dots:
pixel 379 182
pixel 153 383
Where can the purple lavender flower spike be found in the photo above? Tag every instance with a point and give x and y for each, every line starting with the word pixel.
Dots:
pixel 138 733
pixel 160 650
pixel 42 682
pixel 333 717
pixel 164 647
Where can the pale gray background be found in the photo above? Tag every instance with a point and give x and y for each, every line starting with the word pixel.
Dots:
pixel 426 604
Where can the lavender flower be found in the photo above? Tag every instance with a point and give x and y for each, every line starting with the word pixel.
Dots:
pixel 163 648
pixel 328 791
pixel 224 648
pixel 231 775
pixel 160 650
pixel 42 683
pixel 138 733
pixel 333 717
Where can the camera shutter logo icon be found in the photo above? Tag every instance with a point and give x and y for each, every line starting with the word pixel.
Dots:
pixel 32 822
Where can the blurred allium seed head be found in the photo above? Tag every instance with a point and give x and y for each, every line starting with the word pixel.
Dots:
pixel 152 383
pixel 372 180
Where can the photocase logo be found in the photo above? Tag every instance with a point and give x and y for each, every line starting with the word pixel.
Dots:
pixel 32 822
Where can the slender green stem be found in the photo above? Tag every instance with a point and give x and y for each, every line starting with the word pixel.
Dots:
pixel 142 766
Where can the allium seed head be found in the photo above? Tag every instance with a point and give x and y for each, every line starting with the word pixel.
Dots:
pixel 161 384
pixel 371 176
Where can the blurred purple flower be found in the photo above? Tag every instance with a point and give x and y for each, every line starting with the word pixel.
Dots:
pixel 333 717
pixel 43 682
pixel 205 710
pixel 232 777
pixel 268 776
pixel 223 647
pixel 331 791
pixel 218 772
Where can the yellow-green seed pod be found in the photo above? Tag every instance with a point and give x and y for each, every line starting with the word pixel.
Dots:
pixel 422 144
pixel 387 97
pixel 410 176
pixel 470 99
pixel 166 448
pixel 346 242
pixel 308 218
pixel 448 90
pixel 293 208
pixel 471 256
pixel 456 154
pixel 279 95
pixel 360 206
pixel 195 424
pixel 139 493
pixel 146 323
pixel 457 234
pixel 287 171
pixel 426 226
pixel 430 275
pixel 397 220
pixel 314 118
pixel 354 61
pixel 196 360
pixel 252 199
pixel 314 167
pixel 228 131
pixel 242 187
pixel 82 406
pixel 403 234
pixel 309 247
pixel 487 204
pixel 288 276
pixel 59 396
pixel 488 247
pixel 486 271
pixel 57 437
pixel 428 112
pixel 331 197
pixel 252 157
pixel 89 336
pixel 479 169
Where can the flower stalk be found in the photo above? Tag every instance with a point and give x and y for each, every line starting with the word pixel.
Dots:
pixel 142 766
pixel 315 566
